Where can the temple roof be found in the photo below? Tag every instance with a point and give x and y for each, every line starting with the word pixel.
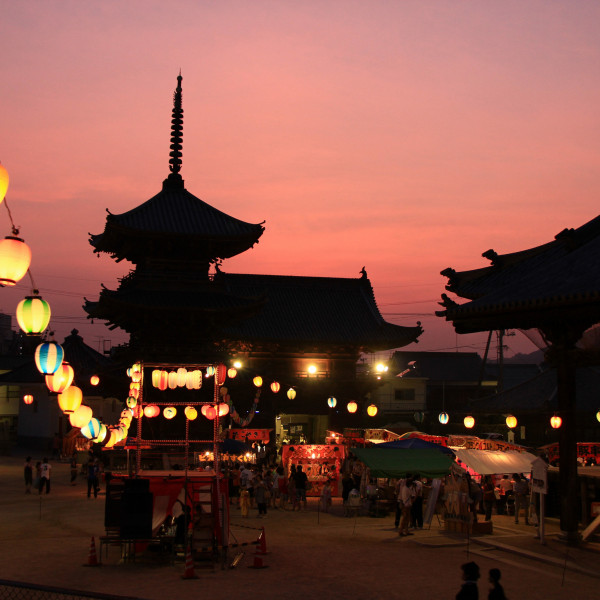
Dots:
pixel 531 289
pixel 316 312
pixel 175 224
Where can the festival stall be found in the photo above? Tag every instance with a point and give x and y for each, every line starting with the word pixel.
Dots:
pixel 321 463
pixel 495 462
pixel 397 463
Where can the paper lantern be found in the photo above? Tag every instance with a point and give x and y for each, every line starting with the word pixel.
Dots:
pixel 137 411
pixel 291 393
pixel 151 411
pixel 352 407
pixel 231 373
pixel 33 314
pixel 598 416
pixel 221 374
pixel 443 418
pixel 371 410
pixel 94 380
pixel 257 381
pixel 181 376
pixel 172 380
pixel 169 412
pixel 275 387
pixel 511 421
pixel 555 422
pixel 112 439
pixel 331 402
pixel 61 379
pixel 101 434
pixel 223 409
pixel 3 182
pixel 70 400
pixel 134 393
pixel 190 412
pixel 91 430
pixel 15 258
pixel 210 371
pixel 469 422
pixel 81 416
pixel 210 413
pixel 28 399
pixel 131 402
pixel 136 376
pixel 48 357
pixel 126 414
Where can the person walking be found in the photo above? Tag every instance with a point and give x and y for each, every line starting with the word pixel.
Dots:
pixel 416 511
pixel 496 591
pixel 521 488
pixel 260 494
pixel 28 473
pixel 92 478
pixel 489 496
pixel 407 496
pixel 301 480
pixel 45 469
pixel 469 589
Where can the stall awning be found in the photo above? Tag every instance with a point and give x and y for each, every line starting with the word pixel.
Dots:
pixel 494 462
pixel 388 462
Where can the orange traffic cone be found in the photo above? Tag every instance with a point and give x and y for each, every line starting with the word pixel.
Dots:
pixel 261 547
pixel 258 563
pixel 92 558
pixel 189 566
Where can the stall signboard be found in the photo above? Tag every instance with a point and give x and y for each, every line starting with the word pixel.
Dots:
pixel 250 435
pixel 469 442
pixel 539 476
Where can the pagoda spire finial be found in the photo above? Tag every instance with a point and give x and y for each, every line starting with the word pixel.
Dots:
pixel 176 133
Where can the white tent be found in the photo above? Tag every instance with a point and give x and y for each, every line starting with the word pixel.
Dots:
pixel 494 462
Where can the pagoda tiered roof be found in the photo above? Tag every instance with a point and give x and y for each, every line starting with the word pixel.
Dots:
pixel 175 224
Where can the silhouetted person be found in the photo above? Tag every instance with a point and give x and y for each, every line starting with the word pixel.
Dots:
pixel 469 590
pixel 496 591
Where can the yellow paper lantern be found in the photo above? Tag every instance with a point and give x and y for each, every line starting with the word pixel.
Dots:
pixel 469 422
pixel 598 416
pixel 231 372
pixel 181 376
pixel 291 393
pixel 190 412
pixel 81 416
pixel 4 179
pixel 223 409
pixel 511 421
pixel 555 422
pixel 61 379
pixel 112 440
pixel 371 410
pixel 15 258
pixel 70 400
pixel 352 407
pixel 151 411
pixel 257 381
pixel 94 380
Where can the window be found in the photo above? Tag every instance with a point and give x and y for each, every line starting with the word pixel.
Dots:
pixel 404 395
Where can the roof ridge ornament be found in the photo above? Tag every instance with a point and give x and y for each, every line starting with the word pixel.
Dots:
pixel 176 136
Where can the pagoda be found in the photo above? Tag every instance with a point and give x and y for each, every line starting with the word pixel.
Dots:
pixel 178 305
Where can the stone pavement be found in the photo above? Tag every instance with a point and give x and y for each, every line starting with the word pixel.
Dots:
pixel 46 540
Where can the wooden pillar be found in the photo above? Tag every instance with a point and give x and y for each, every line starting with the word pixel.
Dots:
pixel 566 396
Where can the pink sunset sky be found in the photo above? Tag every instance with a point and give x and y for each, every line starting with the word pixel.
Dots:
pixel 403 136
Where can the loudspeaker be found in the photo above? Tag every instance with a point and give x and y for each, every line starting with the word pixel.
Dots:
pixel 136 515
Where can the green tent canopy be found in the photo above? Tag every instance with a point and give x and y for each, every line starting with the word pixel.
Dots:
pixel 387 462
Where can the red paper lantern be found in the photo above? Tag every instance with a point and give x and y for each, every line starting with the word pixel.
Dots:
pixel 28 399
pixel 275 387
pixel 221 374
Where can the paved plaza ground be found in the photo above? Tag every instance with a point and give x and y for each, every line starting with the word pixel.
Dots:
pixel 46 540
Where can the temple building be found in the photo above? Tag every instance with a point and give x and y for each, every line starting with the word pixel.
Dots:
pixel 179 305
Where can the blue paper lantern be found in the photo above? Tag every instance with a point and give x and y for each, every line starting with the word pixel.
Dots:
pixel 443 418
pixel 49 357
pixel 91 430
pixel 331 402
